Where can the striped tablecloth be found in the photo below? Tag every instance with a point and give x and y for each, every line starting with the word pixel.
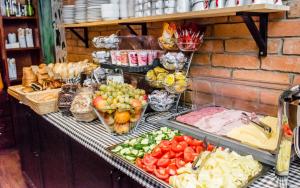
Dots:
pixel 94 137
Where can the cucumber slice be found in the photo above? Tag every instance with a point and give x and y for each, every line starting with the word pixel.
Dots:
pixel 159 137
pixel 126 142
pixel 164 129
pixel 145 141
pixel 125 151
pixel 146 149
pixel 134 152
pixel 117 149
pixel 130 158
pixel 152 146
pixel 133 142
pixel 141 153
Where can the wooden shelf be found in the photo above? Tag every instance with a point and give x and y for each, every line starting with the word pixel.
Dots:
pixel 19 18
pixel 230 11
pixel 22 49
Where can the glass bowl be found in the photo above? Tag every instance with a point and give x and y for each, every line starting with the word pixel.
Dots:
pixel 178 87
pixel 189 47
pixel 167 46
pixel 121 122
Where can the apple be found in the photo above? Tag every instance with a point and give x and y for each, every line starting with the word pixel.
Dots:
pixel 99 103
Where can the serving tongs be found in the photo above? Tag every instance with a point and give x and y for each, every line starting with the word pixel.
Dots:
pixel 267 130
pixel 203 162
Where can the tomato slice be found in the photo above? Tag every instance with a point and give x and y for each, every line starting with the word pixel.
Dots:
pixel 189 154
pixel 178 147
pixel 172 169
pixel 188 139
pixel 157 152
pixel 163 162
pixel 166 156
pixel 210 147
pixel 161 173
pixel 172 154
pixel 180 163
pixel 196 142
pixel 165 145
pixel 149 160
pixel 149 168
pixel 199 149
pixel 139 162
pixel 179 155
pixel 178 138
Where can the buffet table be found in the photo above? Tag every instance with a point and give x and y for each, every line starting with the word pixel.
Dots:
pixel 94 137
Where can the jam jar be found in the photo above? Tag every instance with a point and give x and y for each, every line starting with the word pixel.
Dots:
pixel 65 98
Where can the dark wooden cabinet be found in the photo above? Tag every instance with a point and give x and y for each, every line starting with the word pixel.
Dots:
pixel 89 170
pixel 54 155
pixel 50 158
pixel 27 139
pixel 6 130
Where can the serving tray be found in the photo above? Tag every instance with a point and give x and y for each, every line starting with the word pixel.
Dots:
pixel 261 155
pixel 265 167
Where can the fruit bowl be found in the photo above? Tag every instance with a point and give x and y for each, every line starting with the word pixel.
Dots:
pixel 120 107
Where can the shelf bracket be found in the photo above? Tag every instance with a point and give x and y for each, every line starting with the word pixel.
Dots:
pixel 260 35
pixel 144 28
pixel 84 38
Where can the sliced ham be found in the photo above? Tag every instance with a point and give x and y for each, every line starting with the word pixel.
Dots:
pixel 192 117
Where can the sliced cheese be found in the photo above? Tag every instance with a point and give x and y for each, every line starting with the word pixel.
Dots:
pixel 252 135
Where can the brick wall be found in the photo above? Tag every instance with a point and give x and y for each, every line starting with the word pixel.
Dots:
pixel 227 64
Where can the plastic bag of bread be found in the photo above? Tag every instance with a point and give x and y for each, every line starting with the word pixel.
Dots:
pixel 81 106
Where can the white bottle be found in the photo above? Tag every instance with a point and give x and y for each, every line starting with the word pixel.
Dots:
pixel 12 70
pixel 29 38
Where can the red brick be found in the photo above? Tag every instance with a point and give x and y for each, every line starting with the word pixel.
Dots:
pixel 239 19
pixel 201 59
pixel 223 101
pixel 291 46
pixel 236 91
pixel 277 16
pixel 240 45
pixel 261 76
pixel 284 28
pixel 282 63
pixel 249 45
pixel 255 107
pixel 296 80
pixel 71 42
pixel 294 9
pixel 210 72
pixel 215 46
pixel 269 97
pixel 231 30
pixel 93 34
pixel 274 46
pixel 201 85
pixel 235 61
pixel 198 99
pixel 156 32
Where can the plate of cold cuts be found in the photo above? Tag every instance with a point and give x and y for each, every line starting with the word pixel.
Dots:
pixel 233 124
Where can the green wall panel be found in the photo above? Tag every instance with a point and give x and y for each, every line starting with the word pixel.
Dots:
pixel 47 32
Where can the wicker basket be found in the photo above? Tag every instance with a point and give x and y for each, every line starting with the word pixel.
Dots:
pixel 38 102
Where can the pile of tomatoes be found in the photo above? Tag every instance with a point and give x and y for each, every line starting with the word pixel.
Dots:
pixel 168 156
